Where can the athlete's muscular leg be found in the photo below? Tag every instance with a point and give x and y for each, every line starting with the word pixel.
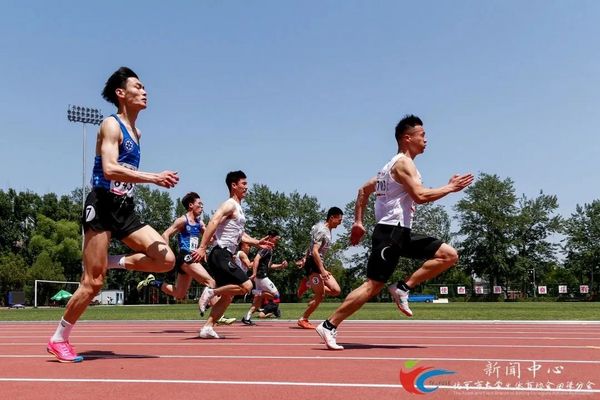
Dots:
pixel 355 300
pixel 200 275
pixel 319 293
pixel 332 288
pixel 256 302
pixel 444 258
pixel 234 290
pixel 180 288
pixel 218 309
pixel 152 253
pixel 95 260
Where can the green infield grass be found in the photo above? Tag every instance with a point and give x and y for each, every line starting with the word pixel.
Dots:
pixel 578 311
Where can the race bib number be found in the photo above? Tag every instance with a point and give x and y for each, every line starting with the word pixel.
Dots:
pixel 380 185
pixel 123 188
pixel 193 243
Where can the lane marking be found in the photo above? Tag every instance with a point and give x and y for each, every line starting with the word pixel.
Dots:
pixel 298 336
pixel 224 342
pixel 308 384
pixel 314 358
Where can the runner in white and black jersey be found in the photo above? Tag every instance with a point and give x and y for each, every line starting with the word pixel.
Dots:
pixel 242 260
pixel 264 287
pixel 398 188
pixel 320 279
pixel 227 226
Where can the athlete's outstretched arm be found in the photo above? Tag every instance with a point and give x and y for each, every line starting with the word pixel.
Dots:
pixel 281 265
pixel 362 198
pixel 110 136
pixel 405 173
pixel 245 260
pixel 263 243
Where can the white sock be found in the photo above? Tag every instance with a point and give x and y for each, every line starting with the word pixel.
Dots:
pixel 62 331
pixel 249 315
pixel 116 262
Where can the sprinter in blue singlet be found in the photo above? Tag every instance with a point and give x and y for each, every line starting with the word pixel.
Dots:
pixel 109 208
pixel 189 227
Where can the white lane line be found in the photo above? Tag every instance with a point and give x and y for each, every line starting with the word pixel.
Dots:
pixel 307 384
pixel 289 332
pixel 297 336
pixel 386 323
pixel 313 358
pixel 224 342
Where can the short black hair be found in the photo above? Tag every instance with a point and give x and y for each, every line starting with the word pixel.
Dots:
pixel 409 121
pixel 189 198
pixel 272 232
pixel 115 81
pixel 234 177
pixel 333 211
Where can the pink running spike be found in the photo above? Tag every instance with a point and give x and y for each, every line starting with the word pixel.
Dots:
pixel 63 351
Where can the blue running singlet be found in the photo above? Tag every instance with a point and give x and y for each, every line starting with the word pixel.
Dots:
pixel 189 238
pixel 129 157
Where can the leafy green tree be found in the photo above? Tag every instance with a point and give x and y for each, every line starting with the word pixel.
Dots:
pixel 43 268
pixel 18 212
pixel 69 208
pixel 61 241
pixel 533 226
pixel 154 207
pixel 503 238
pixel 559 275
pixel 487 216
pixel 9 230
pixel 13 273
pixel 582 245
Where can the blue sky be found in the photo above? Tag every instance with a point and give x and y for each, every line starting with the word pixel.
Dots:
pixel 304 95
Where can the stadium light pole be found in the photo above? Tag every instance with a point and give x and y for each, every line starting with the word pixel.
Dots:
pixel 85 115
pixel 534 285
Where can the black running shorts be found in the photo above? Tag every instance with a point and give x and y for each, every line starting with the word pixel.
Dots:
pixel 223 269
pixel 105 211
pixel 310 266
pixel 179 261
pixel 390 242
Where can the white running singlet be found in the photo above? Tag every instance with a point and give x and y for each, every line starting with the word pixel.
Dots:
pixel 393 205
pixel 229 234
pixel 319 233
pixel 238 261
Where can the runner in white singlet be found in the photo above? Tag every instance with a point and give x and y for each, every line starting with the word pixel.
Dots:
pixel 398 188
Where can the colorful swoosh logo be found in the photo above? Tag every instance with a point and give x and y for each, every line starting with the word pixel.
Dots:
pixel 413 380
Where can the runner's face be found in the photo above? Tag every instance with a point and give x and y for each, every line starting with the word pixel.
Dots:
pixel 245 247
pixel 197 207
pixel 135 94
pixel 240 188
pixel 417 140
pixel 335 220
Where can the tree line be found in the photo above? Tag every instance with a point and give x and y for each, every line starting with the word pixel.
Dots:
pixel 503 239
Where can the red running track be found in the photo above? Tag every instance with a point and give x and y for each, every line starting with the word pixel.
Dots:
pixel 277 360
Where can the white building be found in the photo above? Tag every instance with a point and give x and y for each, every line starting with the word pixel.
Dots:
pixel 109 297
